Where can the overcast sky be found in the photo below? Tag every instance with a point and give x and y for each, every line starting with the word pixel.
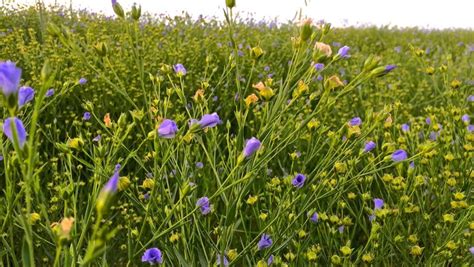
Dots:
pixel 421 13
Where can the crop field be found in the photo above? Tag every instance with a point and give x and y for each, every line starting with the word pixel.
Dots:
pixel 139 139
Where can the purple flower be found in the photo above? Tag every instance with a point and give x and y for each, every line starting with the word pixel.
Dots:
pixel 209 120
pixel 25 95
pixel 82 81
pixel 465 118
pixel 356 121
pixel 270 260
pixel 223 260
pixel 389 68
pixel 265 242
pixel 344 52
pixel 470 128
pixel 428 120
pixel 97 138
pixel 21 132
pixel 369 146
pixel 371 217
pixel 319 66
pixel 399 155
pixel 199 165
pixel 433 136
pixel 179 69
pixel 315 217
pixel 471 249
pixel 319 78
pixel 378 203
pixel 9 77
pixel 167 129
pixel 341 229
pixel 1 157
pixel 412 164
pixel 266 68
pixel 298 181
pixel 398 49
pixel 86 116
pixel 204 204
pixel 114 2
pixel 112 185
pixel 470 98
pixel 252 145
pixel 49 93
pixel 152 256
pixel 192 122
pixel 405 127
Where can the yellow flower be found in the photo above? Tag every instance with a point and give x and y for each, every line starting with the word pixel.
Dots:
pixel 34 217
pixel 123 183
pixel 174 237
pixel 267 93
pixel 368 257
pixel 313 123
pixel 300 89
pixel 451 245
pixel 455 84
pixel 148 183
pixel 75 143
pixel 311 255
pixel 353 130
pixel 451 182
pixel 232 254
pixel 251 99
pixel 301 233
pixel 335 259
pixel 459 196
pixel 263 216
pixel 416 250
pixel 449 218
pixel 413 239
pixel 252 200
pixel 261 263
pixel 340 167
pixel 345 250
pixel 449 157
pixel 351 195
pixel 198 95
pixel 334 219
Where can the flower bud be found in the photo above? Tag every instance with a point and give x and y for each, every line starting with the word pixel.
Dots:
pixel 371 62
pixel 136 12
pixel 230 3
pixel 306 29
pixel 118 10
pixel 101 49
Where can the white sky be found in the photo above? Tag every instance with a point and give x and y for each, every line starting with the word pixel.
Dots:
pixel 421 13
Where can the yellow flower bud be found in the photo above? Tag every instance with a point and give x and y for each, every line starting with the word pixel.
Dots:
pixel 34 217
pixel 123 183
pixel 345 250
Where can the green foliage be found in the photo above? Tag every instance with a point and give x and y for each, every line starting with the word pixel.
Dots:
pixel 260 79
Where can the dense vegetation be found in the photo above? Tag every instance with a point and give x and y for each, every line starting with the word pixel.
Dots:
pixel 143 139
